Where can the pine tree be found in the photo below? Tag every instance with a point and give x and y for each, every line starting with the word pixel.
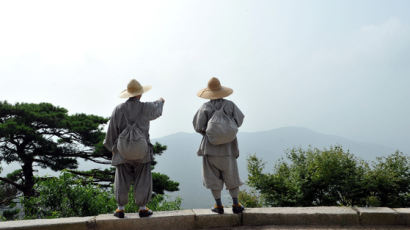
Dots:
pixel 47 136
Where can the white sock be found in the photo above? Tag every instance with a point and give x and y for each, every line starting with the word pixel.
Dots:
pixel 143 207
pixel 120 207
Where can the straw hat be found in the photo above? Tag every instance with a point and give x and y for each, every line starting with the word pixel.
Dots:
pixel 215 90
pixel 134 88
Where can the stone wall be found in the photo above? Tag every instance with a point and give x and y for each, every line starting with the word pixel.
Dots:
pixel 204 218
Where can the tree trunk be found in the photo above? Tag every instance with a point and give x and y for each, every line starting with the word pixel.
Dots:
pixel 28 183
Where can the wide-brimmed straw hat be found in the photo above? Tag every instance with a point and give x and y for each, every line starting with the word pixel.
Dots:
pixel 134 88
pixel 215 90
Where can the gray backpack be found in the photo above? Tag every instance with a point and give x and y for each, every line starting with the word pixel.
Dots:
pixel 221 129
pixel 132 143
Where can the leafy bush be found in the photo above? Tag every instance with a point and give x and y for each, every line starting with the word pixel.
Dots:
pixel 66 196
pixel 10 214
pixel 250 199
pixel 157 203
pixel 69 195
pixel 332 176
pixel 389 181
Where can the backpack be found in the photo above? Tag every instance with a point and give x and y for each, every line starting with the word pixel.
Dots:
pixel 131 143
pixel 221 129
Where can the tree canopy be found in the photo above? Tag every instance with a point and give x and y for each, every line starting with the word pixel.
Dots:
pixel 47 136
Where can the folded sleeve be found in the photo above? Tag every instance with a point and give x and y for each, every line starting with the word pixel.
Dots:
pixel 153 110
pixel 112 132
pixel 200 120
pixel 238 115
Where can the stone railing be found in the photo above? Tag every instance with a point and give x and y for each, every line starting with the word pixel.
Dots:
pixel 204 218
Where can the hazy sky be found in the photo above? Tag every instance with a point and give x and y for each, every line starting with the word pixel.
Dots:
pixel 338 67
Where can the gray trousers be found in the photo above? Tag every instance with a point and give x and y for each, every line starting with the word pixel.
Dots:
pixel 137 174
pixel 217 171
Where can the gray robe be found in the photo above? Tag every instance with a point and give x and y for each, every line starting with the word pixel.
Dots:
pixel 200 123
pixel 135 111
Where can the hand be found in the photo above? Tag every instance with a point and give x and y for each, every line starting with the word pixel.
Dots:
pixel 162 99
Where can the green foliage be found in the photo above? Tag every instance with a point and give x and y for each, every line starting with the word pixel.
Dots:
pixel 159 149
pixel 157 203
pixel 69 195
pixel 161 202
pixel 47 136
pixel 332 176
pixel 389 181
pixel 8 192
pixel 10 214
pixel 66 196
pixel 7 195
pixel 250 199
pixel 162 183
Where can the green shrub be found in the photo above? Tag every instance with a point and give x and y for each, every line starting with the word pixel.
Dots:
pixel 10 214
pixel 69 195
pixel 389 181
pixel 332 176
pixel 250 199
pixel 157 203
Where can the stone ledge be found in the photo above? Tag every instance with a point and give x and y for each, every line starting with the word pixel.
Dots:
pixel 301 216
pixel 204 218
pixel 378 216
pixel 77 223
pixel 183 219
pixel 404 215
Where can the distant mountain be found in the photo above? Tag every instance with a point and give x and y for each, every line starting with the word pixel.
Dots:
pixel 182 164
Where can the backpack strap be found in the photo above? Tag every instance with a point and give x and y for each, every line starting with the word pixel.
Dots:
pixel 222 107
pixel 128 122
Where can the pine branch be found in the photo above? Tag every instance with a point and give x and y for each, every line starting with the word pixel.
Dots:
pixel 8 181
pixel 99 162
pixel 97 175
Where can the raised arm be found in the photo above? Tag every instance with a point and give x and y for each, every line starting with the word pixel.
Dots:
pixel 153 110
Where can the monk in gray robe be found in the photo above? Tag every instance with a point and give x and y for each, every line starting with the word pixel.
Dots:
pixel 133 172
pixel 219 161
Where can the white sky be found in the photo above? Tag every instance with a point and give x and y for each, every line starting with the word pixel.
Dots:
pixel 338 67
